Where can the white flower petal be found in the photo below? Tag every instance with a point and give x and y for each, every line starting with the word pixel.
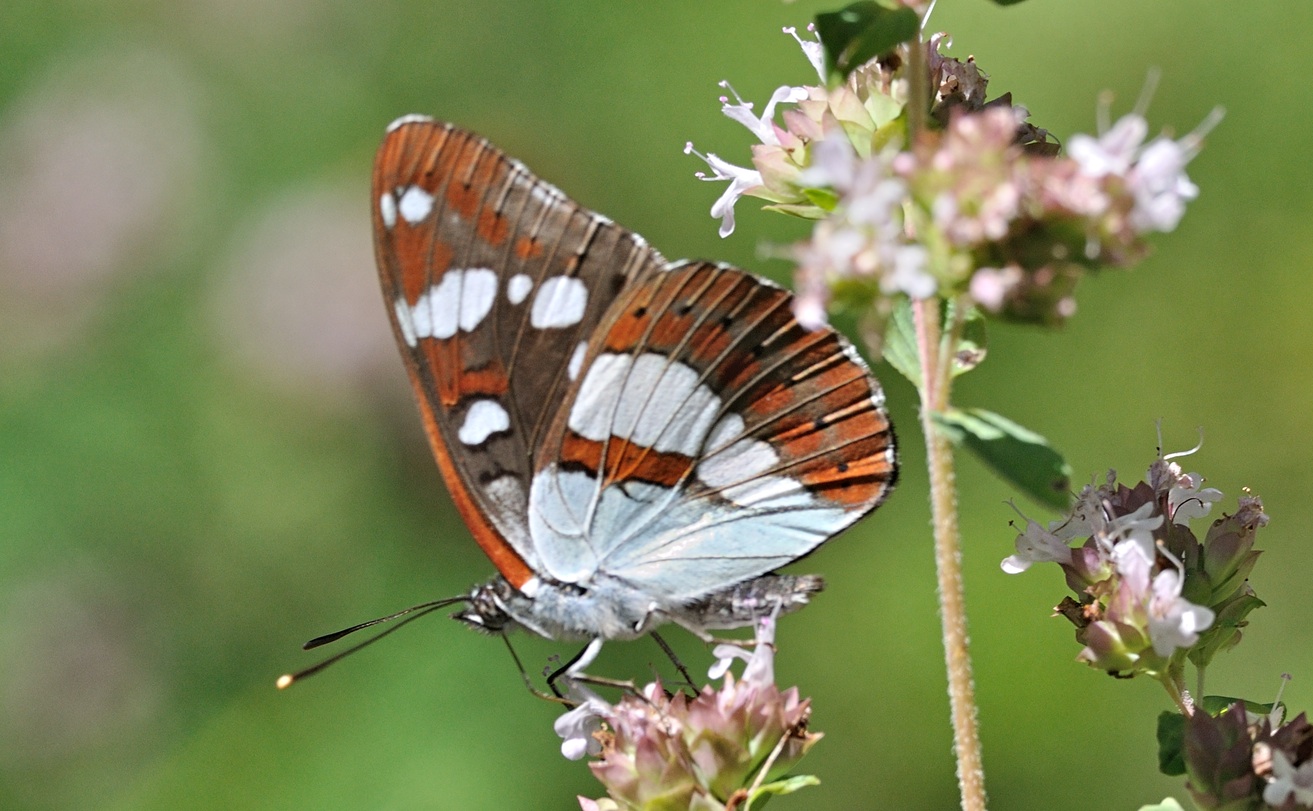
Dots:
pixel 1113 152
pixel 1036 545
pixel 812 49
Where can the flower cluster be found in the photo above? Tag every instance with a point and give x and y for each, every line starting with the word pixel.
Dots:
pixel 1148 594
pixel 979 204
pixel 1241 760
pixel 719 749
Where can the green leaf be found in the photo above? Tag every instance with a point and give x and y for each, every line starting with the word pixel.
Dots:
pixel 825 199
pixel 1214 705
pixel 1224 633
pixel 804 211
pixel 1168 803
pixel 1019 455
pixel 862 31
pixel 786 786
pixel 900 343
pixel 1171 743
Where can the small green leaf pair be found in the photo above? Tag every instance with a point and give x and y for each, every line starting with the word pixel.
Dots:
pixel 858 33
pixel 1019 455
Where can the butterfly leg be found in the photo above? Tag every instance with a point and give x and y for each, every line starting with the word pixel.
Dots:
pixel 524 674
pixel 670 652
pixel 574 667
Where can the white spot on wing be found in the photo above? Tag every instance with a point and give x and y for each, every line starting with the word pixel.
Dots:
pixel 406 323
pixel 415 205
pixel 590 416
pixel 738 469
pixel 477 297
pixel 577 359
pixel 728 429
pixel 461 300
pixel 559 302
pixel 768 492
pixel 387 208
pixel 483 419
pixel 518 288
pixel 744 459
pixel 650 400
pixel 507 492
pixel 409 118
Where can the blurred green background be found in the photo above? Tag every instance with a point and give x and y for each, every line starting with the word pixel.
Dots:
pixel 208 451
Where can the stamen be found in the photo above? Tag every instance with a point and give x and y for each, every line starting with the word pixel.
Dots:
pixel 930 9
pixel 1102 112
pixel 724 83
pixel 689 149
pixel 1285 679
pixel 1192 141
pixel 1013 504
pixel 1162 550
pixel 810 49
pixel 1146 92
pixel 1179 454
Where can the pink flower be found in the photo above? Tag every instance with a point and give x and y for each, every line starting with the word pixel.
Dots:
pixel 709 751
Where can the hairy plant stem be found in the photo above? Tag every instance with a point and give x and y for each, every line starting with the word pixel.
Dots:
pixel 1173 685
pixel 936 353
pixel 1174 682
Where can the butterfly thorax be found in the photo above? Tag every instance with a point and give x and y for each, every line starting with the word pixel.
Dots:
pixel 606 608
pixel 610 609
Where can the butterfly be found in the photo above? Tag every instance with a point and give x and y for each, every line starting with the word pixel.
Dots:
pixel 631 441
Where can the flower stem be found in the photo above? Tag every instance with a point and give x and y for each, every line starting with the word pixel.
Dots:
pixel 1178 695
pixel 936 354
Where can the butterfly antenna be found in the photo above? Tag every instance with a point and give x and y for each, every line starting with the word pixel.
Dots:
pixel 415 611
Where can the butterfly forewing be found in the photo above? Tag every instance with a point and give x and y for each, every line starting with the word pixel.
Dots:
pixel 709 438
pixel 494 281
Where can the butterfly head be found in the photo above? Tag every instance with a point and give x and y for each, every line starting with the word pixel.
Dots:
pixel 485 607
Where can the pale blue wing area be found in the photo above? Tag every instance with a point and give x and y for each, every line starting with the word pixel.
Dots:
pixel 670 544
pixel 564 520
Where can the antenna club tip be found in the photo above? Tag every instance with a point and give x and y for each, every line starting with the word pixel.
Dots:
pixel 285 681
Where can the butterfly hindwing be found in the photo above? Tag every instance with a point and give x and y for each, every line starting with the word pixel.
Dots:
pixel 494 280
pixel 709 438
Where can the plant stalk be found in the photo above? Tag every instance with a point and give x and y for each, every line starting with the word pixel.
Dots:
pixel 936 354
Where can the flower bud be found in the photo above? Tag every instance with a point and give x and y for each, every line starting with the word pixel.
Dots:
pixel 1229 553
pixel 1218 761
pixel 1243 761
